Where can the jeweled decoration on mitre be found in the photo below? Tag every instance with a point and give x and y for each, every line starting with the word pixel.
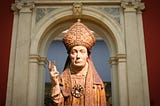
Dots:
pixel 79 35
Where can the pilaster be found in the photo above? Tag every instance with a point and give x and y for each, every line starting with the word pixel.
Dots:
pixel 12 58
pixel 36 72
pixel 134 72
pixel 114 80
pixel 22 46
pixel 143 57
pixel 119 63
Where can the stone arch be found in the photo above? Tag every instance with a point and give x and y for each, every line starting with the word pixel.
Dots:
pixel 61 15
pixel 43 36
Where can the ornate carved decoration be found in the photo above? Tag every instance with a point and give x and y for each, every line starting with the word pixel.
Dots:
pixel 41 12
pixel 77 91
pixel 114 12
pixel 23 6
pixel 117 59
pixel 132 6
pixel 77 9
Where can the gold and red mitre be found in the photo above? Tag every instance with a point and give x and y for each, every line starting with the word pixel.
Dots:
pixel 79 35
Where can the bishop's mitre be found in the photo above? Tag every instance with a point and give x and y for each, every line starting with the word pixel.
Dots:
pixel 79 35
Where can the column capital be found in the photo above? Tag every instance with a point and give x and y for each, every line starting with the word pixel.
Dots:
pixel 23 6
pixel 133 6
pixel 117 59
pixel 34 58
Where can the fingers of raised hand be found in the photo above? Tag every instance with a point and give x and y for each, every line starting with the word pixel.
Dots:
pixel 51 66
pixel 54 73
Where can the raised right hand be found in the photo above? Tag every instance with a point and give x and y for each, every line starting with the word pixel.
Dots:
pixel 54 74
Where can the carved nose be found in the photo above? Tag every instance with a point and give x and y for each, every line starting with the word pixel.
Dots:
pixel 78 57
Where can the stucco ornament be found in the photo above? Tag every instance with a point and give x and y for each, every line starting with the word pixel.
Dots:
pixel 77 9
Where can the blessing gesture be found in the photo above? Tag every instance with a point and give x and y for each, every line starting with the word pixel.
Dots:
pixel 54 74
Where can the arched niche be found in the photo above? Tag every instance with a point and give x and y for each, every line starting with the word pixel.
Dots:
pixel 52 21
pixel 53 24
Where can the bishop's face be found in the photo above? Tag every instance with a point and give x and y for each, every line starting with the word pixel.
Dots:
pixel 78 56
